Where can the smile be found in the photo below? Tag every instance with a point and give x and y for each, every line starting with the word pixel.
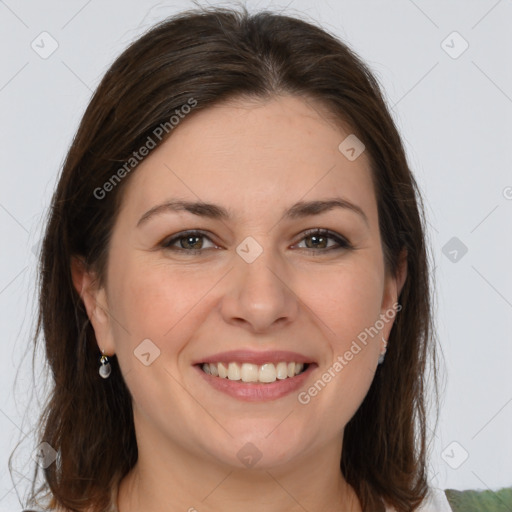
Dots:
pixel 251 377
pixel 255 376
pixel 248 372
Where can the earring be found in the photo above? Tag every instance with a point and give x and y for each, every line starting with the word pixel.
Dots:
pixel 105 367
pixel 383 353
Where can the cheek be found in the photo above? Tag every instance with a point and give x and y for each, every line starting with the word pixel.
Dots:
pixel 159 302
pixel 347 302
pixel 153 298
pixel 151 302
pixel 347 299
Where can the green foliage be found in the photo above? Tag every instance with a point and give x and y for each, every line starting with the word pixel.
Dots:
pixel 480 501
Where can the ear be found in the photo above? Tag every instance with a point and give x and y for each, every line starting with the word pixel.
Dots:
pixel 94 298
pixel 392 289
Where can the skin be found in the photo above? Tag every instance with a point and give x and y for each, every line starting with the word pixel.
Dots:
pixel 257 159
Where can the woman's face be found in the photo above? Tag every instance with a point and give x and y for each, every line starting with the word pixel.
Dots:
pixel 253 287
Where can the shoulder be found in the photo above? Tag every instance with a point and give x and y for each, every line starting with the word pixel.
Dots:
pixel 435 501
pixel 58 509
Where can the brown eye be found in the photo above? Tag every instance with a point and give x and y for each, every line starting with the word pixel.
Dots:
pixel 316 240
pixel 319 239
pixel 189 241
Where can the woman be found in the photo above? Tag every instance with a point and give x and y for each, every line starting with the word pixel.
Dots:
pixel 234 288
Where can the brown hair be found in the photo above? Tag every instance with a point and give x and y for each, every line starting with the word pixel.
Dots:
pixel 214 54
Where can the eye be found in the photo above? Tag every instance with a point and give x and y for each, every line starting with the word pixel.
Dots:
pixel 320 237
pixel 189 241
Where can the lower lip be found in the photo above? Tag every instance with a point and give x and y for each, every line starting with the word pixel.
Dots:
pixel 256 392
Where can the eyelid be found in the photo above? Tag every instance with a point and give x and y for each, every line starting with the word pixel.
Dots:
pixel 342 241
pixel 169 240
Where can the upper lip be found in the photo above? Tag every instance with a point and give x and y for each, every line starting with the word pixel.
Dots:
pixel 259 358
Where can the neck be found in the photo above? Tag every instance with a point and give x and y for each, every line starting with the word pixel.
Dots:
pixel 182 481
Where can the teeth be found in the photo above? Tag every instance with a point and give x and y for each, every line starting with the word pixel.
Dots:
pixel 233 371
pixel 267 373
pixel 223 371
pixel 248 372
pixel 281 371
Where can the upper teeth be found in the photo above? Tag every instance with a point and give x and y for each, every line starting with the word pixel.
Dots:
pixel 248 372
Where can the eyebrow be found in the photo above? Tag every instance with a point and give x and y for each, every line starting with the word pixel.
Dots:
pixel 208 210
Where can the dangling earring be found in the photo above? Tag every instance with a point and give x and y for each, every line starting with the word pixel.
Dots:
pixel 105 367
pixel 383 353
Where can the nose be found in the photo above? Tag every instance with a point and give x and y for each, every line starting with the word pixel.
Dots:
pixel 260 295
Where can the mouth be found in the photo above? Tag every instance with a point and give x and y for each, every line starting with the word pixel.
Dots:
pixel 253 373
pixel 253 377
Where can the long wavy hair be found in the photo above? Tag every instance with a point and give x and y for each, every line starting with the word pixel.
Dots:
pixel 214 54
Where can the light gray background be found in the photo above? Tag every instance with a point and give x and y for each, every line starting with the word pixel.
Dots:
pixel 453 113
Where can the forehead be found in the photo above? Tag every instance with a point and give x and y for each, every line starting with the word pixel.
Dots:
pixel 252 154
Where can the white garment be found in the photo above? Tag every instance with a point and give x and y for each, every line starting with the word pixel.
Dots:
pixel 435 501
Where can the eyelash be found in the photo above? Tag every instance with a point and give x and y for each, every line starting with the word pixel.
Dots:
pixel 342 242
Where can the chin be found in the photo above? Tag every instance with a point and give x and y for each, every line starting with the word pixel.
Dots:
pixel 259 449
